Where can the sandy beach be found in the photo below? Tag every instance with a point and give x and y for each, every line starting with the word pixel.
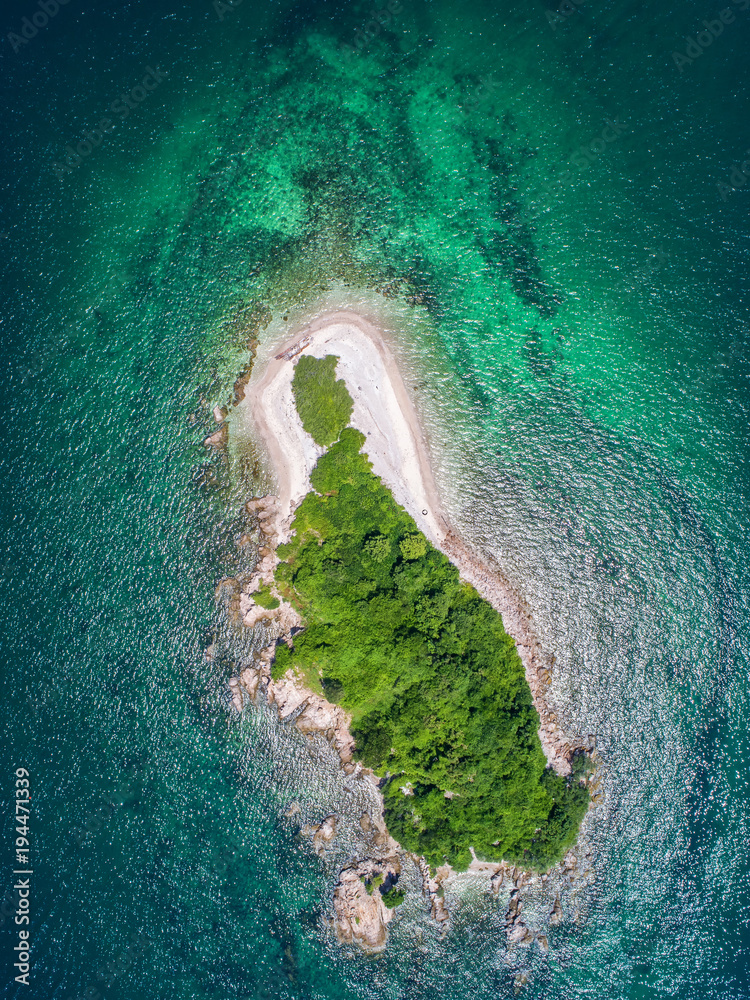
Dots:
pixel 396 446
pixel 382 410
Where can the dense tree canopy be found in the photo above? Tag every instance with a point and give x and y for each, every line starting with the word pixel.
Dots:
pixel 435 685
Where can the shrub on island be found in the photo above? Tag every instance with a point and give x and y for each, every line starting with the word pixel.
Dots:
pixel 393 898
pixel 322 401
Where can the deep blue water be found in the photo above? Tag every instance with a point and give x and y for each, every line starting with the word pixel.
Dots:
pixel 558 192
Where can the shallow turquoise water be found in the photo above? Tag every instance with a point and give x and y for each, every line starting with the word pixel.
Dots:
pixel 579 330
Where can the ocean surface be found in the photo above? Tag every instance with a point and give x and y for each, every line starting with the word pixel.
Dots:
pixel 546 205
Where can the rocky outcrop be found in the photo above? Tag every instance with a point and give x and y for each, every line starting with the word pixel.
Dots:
pixel 322 834
pixel 360 916
pixel 218 439
pixel 375 830
pixel 282 619
pixel 515 928
pixel 433 890
pixel 309 711
pixel 266 511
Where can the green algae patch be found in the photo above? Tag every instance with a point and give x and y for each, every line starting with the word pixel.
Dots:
pixel 435 686
pixel 323 401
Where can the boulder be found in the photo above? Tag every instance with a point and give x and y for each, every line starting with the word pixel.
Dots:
pixel 520 934
pixel 497 880
pixel 438 910
pixel 218 439
pixel 360 917
pixel 250 679
pixel 322 834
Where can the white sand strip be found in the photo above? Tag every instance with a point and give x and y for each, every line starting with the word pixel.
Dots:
pixel 383 412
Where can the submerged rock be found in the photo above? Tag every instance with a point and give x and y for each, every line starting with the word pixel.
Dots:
pixel 519 982
pixel 520 934
pixel 218 439
pixel 322 834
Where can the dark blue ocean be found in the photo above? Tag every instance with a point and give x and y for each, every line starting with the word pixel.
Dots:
pixel 550 207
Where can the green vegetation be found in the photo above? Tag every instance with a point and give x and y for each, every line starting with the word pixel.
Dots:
pixel 323 402
pixel 393 898
pixel 435 686
pixel 265 599
pixel 372 884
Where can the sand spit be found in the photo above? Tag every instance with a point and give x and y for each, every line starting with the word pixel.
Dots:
pixel 397 448
pixel 382 410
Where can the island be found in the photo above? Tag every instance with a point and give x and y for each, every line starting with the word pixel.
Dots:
pixel 390 633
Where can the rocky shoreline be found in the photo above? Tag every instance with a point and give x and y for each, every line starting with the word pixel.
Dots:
pixel 360 917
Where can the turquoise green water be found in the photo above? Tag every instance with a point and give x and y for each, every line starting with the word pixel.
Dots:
pixel 583 329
